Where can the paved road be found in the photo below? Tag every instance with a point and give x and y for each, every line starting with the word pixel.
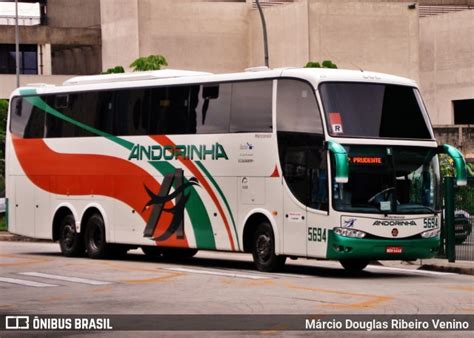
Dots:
pixel 35 278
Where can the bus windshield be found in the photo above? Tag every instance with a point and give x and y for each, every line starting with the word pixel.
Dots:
pixel 373 110
pixel 390 180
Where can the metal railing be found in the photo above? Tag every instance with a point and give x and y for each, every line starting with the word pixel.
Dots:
pixel 456 234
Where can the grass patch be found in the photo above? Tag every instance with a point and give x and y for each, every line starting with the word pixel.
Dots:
pixel 3 225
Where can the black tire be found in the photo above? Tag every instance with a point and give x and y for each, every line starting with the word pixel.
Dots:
pixel 263 249
pixel 178 253
pixel 70 242
pixel 95 240
pixel 354 265
pixel 152 251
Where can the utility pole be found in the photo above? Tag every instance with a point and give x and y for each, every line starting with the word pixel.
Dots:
pixel 265 37
pixel 17 46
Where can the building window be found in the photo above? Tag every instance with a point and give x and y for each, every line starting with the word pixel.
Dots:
pixel 463 111
pixel 28 59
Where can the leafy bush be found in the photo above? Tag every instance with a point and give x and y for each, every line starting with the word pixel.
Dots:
pixel 114 70
pixel 151 62
pixel 326 64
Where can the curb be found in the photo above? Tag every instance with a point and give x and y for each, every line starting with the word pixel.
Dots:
pixel 8 237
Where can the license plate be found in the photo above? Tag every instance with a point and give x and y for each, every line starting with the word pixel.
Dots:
pixel 394 249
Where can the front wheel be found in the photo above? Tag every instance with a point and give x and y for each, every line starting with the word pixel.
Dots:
pixel 354 265
pixel 70 242
pixel 95 241
pixel 263 249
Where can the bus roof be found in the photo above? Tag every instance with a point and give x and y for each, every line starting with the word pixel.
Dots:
pixel 180 77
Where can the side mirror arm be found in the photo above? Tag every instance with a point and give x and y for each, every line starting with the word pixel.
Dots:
pixel 459 162
pixel 341 159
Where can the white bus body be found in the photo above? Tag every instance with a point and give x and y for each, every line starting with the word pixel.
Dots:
pixel 172 161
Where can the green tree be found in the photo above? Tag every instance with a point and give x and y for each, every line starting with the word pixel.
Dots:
pixel 325 64
pixel 114 70
pixel 151 62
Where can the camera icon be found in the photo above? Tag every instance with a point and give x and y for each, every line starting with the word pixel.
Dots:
pixel 17 322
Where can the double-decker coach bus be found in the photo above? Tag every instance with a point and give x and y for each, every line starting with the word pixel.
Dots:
pixel 319 163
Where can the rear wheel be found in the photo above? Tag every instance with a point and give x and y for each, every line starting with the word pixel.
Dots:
pixel 263 249
pixel 70 242
pixel 95 241
pixel 354 265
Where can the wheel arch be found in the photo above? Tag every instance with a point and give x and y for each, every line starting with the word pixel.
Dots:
pixel 252 220
pixel 61 211
pixel 89 210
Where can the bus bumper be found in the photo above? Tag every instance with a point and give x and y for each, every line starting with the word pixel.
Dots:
pixel 340 247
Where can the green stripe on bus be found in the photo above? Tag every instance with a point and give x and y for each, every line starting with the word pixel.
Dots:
pixel 39 103
pixel 195 207
pixel 214 183
pixel 196 210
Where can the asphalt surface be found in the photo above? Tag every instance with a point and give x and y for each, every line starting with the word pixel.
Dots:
pixel 36 279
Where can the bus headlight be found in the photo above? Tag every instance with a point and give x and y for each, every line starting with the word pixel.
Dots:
pixel 349 232
pixel 430 233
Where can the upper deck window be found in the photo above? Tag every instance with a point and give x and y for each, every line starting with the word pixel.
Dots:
pixel 373 110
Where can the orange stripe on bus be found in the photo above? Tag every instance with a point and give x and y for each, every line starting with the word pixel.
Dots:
pixel 85 174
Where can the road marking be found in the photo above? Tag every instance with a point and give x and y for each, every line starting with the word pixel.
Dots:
pixel 164 278
pixel 25 282
pixel 15 260
pixel 65 278
pixel 371 301
pixel 218 273
pixel 426 272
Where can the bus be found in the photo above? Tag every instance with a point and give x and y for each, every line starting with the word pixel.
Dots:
pixel 317 163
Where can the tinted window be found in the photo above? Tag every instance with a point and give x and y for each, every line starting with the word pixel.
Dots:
pixel 213 108
pixel 27 121
pixel 300 143
pixel 297 109
pixel 251 107
pixel 373 110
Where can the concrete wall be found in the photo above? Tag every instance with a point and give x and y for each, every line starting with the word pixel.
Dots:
pixel 74 13
pixel 195 35
pixel 287 27
pixel 373 35
pixel 119 32
pixel 191 34
pixel 446 62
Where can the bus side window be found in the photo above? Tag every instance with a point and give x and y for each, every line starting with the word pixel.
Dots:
pixel 300 135
pixel 251 106
pixel 27 121
pixel 213 109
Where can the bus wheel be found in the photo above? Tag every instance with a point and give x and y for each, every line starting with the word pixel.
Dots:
pixel 263 250
pixel 70 241
pixel 96 245
pixel 354 265
pixel 178 253
pixel 152 251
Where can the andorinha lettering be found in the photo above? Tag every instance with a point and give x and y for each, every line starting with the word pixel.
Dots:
pixel 175 152
pixel 394 223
